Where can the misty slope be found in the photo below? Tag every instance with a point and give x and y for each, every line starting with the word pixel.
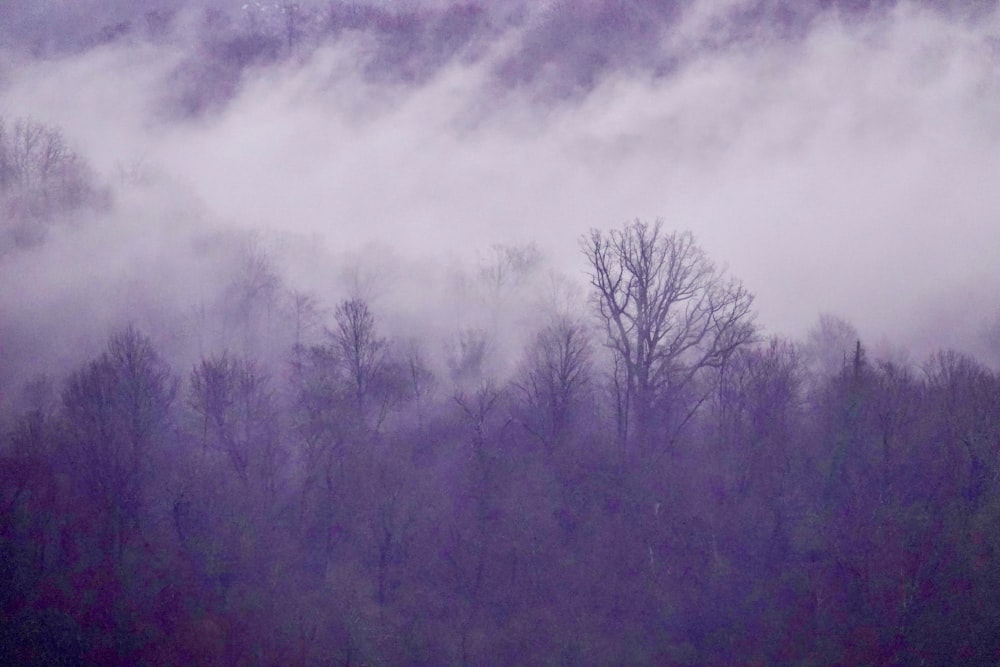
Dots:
pixel 834 154
pixel 562 48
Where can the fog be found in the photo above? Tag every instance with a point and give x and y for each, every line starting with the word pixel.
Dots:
pixel 848 169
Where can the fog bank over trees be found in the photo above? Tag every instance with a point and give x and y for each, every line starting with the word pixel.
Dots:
pixel 610 332
pixel 857 143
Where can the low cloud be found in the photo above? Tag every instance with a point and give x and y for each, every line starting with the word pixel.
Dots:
pixel 849 167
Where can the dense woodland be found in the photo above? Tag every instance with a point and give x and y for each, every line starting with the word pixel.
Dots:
pixel 633 473
pixel 651 481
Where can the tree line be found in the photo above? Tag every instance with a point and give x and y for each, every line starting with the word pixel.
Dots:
pixel 655 482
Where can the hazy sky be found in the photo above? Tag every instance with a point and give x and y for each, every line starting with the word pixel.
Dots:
pixel 853 170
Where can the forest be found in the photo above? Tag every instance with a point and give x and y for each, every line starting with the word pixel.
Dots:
pixel 225 443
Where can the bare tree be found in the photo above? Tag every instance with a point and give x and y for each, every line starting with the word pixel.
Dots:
pixel 670 316
pixel 964 393
pixel 36 157
pixel 759 400
pixel 360 348
pixel 253 291
pixel 40 179
pixel 305 311
pixel 555 373
pixel 419 379
pixel 829 346
pixel 116 412
pixel 508 265
pixel 233 402
pixel 469 356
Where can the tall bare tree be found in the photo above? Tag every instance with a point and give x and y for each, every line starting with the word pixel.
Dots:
pixel 554 375
pixel 116 414
pixel 671 316
pixel 253 292
pixel 361 349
